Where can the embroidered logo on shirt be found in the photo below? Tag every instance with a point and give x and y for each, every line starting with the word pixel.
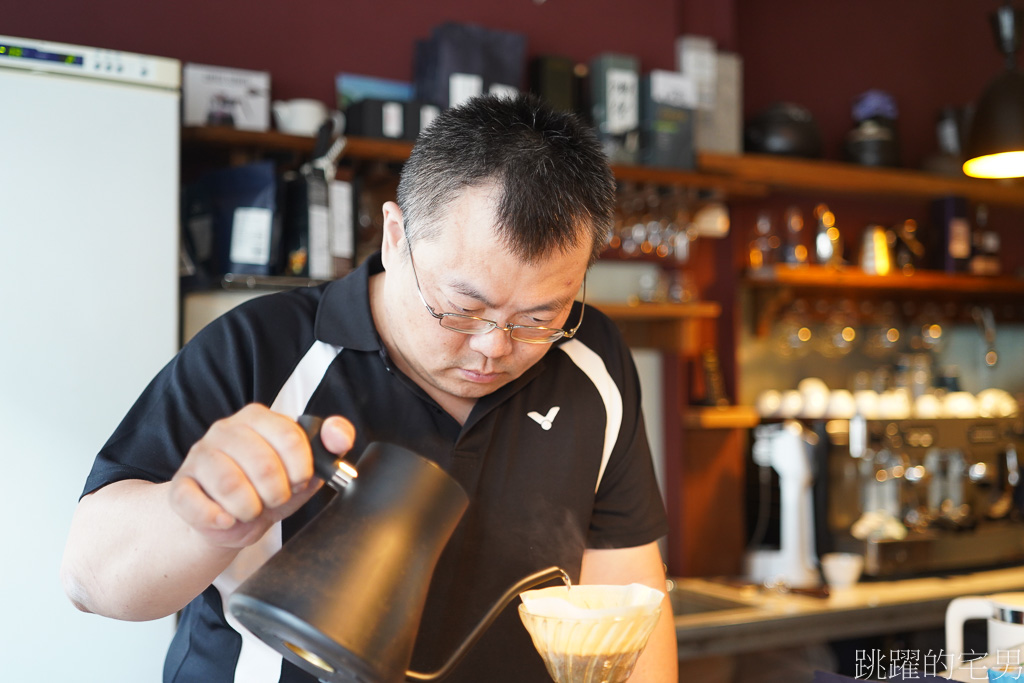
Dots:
pixel 543 420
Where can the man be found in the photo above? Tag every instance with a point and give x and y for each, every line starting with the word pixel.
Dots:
pixel 461 341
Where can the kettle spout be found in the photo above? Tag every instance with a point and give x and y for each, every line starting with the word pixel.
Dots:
pixel 526 583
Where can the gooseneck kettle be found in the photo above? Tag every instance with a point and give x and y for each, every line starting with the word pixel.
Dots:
pixel 343 598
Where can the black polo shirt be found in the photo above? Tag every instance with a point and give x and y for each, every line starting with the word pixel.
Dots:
pixel 544 484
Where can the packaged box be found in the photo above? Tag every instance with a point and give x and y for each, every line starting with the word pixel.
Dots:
pixel 376 118
pixel 418 116
pixel 615 105
pixel 720 129
pixel 222 96
pixel 696 57
pixel 307 226
pixel 553 78
pixel 667 102
pixel 460 61
pixel 391 119
pixel 351 88
pixel 231 221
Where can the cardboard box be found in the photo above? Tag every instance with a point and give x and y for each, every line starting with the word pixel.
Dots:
pixel 222 96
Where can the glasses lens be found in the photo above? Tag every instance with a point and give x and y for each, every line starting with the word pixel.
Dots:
pixel 466 324
pixel 536 335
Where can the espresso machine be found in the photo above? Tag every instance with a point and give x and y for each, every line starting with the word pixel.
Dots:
pixel 921 495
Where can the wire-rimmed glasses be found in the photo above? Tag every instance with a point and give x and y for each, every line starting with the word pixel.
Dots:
pixel 471 324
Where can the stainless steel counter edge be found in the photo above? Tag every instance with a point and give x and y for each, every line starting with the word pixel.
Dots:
pixel 770 620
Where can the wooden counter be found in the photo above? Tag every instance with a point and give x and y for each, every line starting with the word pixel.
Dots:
pixel 762 620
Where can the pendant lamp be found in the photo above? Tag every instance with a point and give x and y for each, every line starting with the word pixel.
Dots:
pixel 995 143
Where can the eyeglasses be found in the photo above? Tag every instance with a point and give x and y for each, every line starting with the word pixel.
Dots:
pixel 471 324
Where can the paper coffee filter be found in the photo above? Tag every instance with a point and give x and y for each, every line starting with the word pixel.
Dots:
pixel 590 634
pixel 591 601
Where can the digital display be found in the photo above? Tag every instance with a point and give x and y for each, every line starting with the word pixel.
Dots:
pixel 21 52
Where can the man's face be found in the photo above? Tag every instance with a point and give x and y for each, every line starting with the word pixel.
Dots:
pixel 467 270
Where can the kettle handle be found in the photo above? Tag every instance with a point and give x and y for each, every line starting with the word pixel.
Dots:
pixel 959 611
pixel 337 472
pixel 530 581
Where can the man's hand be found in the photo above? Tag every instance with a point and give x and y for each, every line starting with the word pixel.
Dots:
pixel 249 471
pixel 139 550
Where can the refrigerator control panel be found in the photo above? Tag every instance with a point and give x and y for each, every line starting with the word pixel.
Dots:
pixel 39 55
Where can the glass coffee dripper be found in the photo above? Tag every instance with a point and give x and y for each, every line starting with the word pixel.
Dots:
pixel 591 634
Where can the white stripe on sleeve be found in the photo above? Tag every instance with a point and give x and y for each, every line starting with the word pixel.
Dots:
pixel 257 661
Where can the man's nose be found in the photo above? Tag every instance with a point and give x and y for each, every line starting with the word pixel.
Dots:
pixel 494 344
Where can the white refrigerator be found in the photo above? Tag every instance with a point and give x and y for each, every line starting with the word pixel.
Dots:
pixel 88 314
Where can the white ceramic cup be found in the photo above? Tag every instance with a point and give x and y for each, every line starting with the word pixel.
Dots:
pixel 841 570
pixel 301 116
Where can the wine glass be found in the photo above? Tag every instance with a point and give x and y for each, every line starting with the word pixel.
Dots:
pixel 839 333
pixel 792 336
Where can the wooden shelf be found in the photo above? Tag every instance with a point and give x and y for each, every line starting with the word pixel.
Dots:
pixel 654 312
pixel 670 327
pixel 775 288
pixel 355 147
pixel 398 151
pixel 731 176
pixel 825 278
pixel 726 186
pixel 809 175
pixel 720 417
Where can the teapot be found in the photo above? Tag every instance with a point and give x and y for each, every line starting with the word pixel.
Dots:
pixel 304 116
pixel 1005 615
pixel 343 598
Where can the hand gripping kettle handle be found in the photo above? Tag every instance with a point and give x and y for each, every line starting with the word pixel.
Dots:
pixel 959 611
pixel 337 472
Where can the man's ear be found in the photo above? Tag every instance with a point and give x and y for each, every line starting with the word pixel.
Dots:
pixel 392 248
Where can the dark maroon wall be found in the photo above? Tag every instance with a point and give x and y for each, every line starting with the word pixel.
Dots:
pixel 822 54
pixel 304 43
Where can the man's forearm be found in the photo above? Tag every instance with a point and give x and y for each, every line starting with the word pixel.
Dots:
pixel 659 662
pixel 130 557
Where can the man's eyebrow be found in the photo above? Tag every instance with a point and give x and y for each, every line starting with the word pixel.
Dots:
pixel 468 290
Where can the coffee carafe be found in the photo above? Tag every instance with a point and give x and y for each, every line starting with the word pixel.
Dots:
pixel 344 597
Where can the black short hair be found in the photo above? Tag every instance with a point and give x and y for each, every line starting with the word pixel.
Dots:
pixel 556 188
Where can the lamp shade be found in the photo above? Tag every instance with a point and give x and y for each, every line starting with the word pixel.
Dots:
pixel 995 145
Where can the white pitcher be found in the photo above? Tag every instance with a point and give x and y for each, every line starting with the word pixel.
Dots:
pixel 1005 615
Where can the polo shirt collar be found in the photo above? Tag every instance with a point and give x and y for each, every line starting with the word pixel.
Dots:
pixel 343 317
